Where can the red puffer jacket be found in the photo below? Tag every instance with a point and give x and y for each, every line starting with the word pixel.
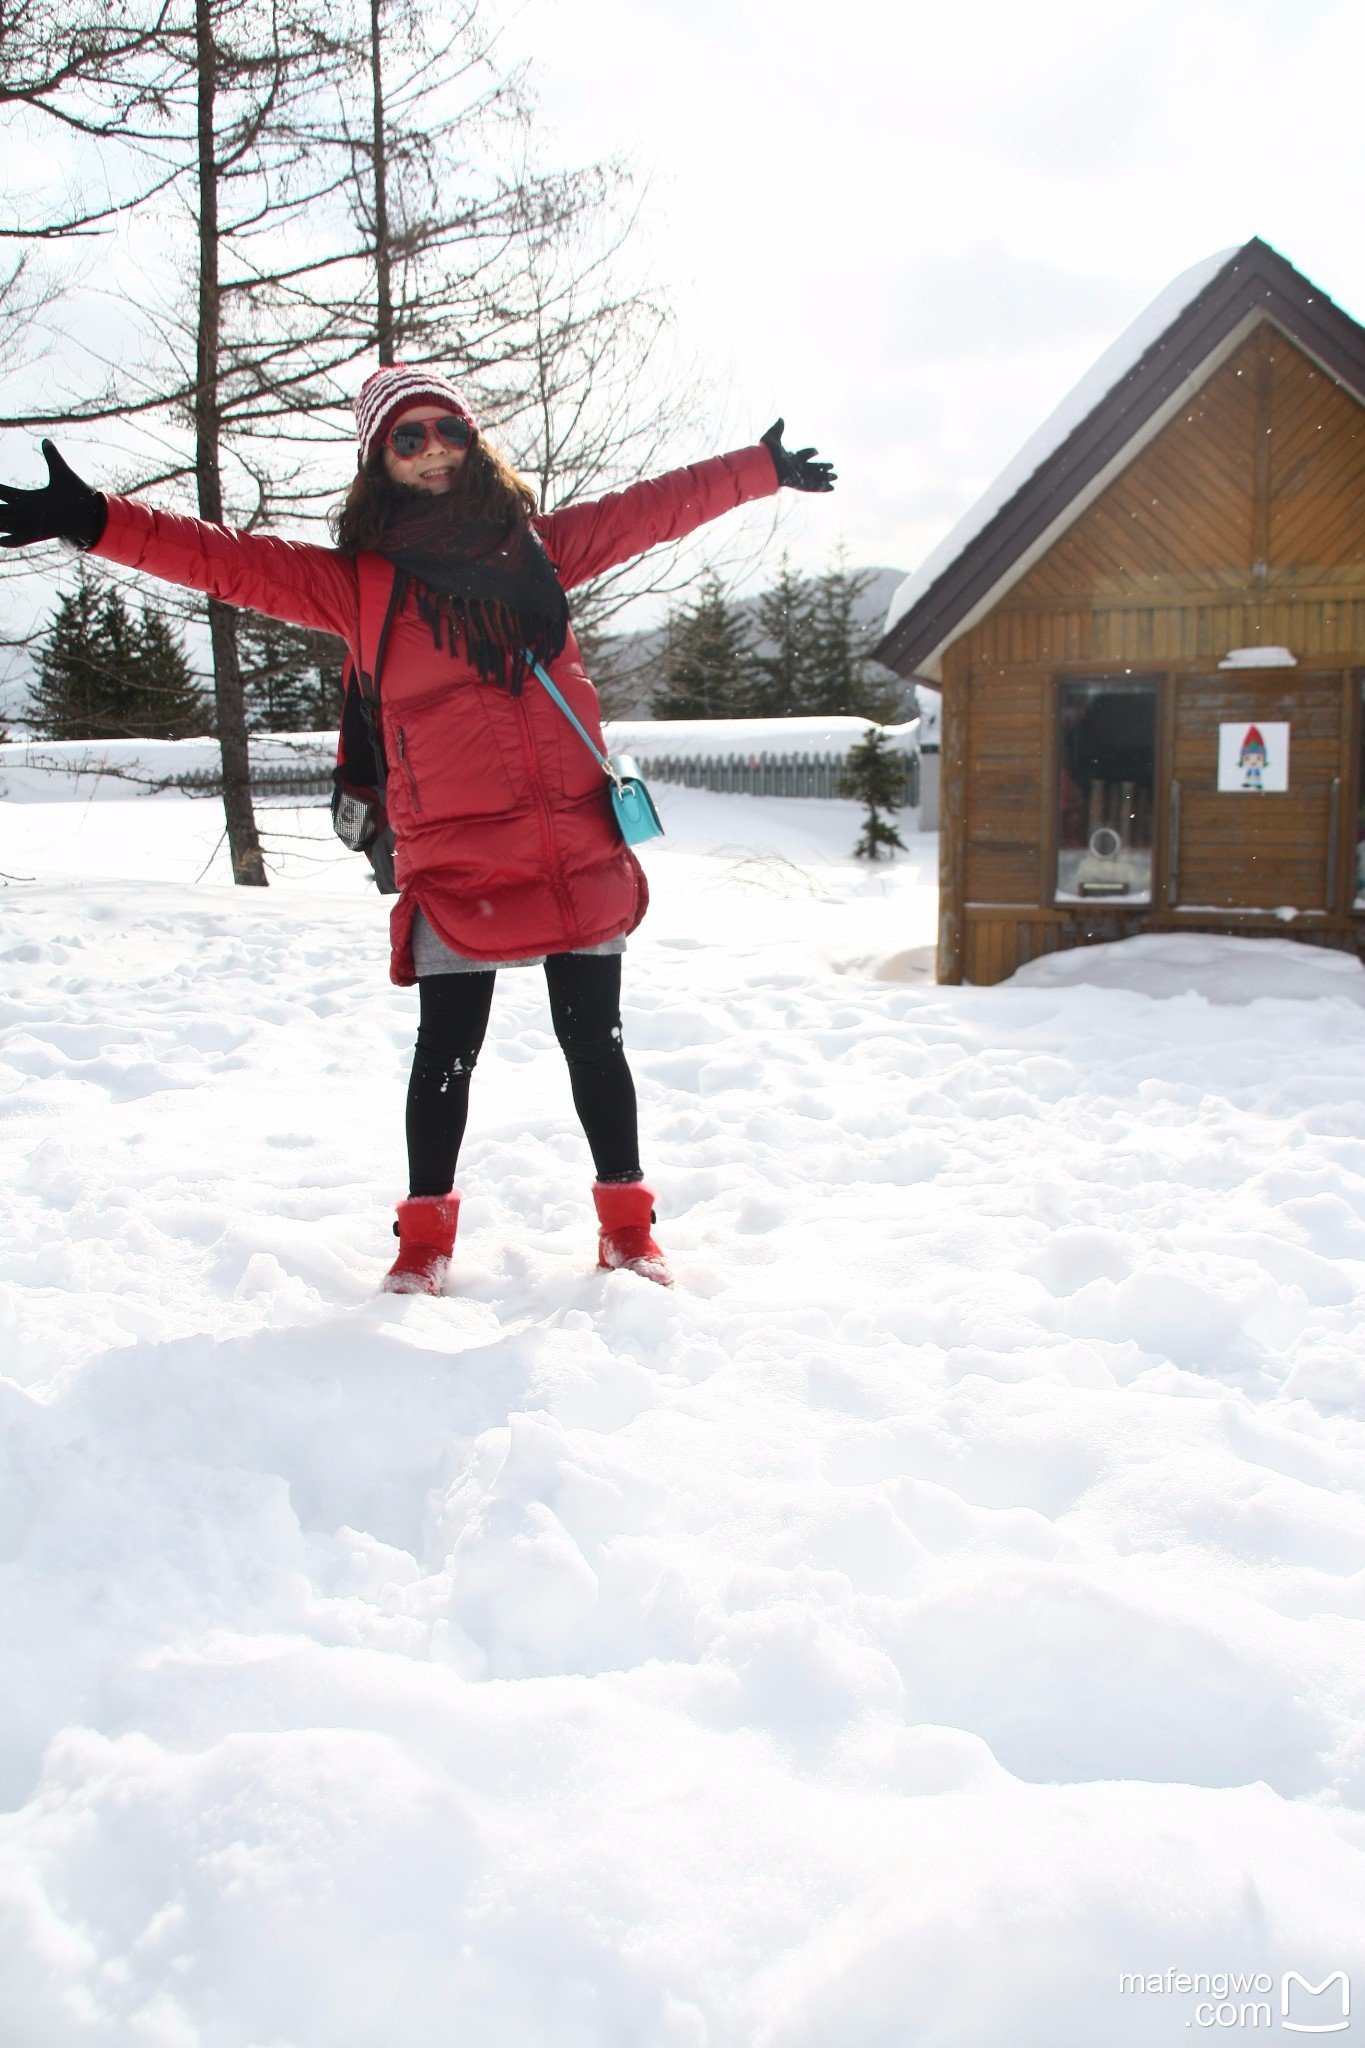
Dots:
pixel 506 839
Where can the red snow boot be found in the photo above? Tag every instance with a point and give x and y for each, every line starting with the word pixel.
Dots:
pixel 426 1238
pixel 625 1210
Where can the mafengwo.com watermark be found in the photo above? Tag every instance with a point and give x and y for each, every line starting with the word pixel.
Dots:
pixel 1223 1999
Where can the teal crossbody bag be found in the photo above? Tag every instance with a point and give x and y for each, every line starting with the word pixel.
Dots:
pixel 630 800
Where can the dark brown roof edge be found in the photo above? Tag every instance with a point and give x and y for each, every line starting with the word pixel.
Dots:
pixel 1254 278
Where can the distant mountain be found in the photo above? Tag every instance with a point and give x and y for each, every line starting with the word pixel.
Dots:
pixel 630 658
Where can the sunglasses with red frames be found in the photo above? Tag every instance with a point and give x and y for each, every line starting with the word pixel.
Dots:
pixel 413 437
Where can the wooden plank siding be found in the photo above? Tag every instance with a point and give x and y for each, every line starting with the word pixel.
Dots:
pixel 1183 504
pixel 1004 769
pixel 1321 628
pixel 1242 523
pixel 1317 469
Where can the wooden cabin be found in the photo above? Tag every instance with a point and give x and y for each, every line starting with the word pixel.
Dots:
pixel 1150 640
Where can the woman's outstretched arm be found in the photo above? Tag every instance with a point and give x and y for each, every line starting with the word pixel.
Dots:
pixel 291 580
pixel 583 540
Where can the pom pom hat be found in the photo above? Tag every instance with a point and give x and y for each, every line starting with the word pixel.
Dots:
pixel 387 394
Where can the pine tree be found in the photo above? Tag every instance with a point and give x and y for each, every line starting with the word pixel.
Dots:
pixel 104 675
pixel 170 704
pixel 836 680
pixel 708 660
pixel 784 619
pixel 291 674
pixel 874 775
pixel 68 699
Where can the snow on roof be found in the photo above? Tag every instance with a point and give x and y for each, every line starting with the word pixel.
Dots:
pixel 1110 369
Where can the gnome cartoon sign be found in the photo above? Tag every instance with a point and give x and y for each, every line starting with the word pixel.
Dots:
pixel 1253 757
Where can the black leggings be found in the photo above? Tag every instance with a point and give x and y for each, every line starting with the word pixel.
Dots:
pixel 585 1007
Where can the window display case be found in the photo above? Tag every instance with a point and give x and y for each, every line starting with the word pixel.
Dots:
pixel 1106 761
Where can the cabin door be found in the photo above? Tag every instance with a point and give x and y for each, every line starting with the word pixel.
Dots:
pixel 1255 799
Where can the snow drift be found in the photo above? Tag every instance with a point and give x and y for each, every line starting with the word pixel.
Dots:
pixel 949 1599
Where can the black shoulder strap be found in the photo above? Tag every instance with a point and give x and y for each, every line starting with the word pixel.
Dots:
pixel 367 686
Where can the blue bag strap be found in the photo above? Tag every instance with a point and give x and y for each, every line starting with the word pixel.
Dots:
pixel 589 742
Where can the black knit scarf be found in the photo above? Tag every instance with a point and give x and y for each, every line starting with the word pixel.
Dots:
pixel 491 587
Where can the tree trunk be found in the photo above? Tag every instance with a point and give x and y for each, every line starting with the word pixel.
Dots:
pixel 383 255
pixel 244 842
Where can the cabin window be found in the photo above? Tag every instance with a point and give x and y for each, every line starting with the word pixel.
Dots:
pixel 1106 762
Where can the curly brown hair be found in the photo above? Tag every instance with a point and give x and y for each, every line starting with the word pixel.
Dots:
pixel 487 491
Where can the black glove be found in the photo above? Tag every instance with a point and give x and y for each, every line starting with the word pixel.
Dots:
pixel 64 509
pixel 797 470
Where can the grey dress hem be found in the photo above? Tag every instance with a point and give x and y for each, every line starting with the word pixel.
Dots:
pixel 431 954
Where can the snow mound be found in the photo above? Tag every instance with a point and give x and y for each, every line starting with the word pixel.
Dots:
pixel 680 738
pixel 103 771
pixel 1221 970
pixel 947 1599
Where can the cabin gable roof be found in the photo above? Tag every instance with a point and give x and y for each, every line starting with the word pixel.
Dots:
pixel 1133 392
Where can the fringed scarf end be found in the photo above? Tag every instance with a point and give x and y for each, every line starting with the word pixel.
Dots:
pixel 496 639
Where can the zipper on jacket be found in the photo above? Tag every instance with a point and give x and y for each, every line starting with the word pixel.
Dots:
pixel 547 826
pixel 407 770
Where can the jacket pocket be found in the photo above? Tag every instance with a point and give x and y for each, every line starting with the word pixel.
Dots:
pixel 452 761
pixel 414 794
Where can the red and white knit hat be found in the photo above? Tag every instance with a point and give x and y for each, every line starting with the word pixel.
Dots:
pixel 387 393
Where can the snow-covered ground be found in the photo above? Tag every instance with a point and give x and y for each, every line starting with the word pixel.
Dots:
pixel 950 1597
pixel 113 771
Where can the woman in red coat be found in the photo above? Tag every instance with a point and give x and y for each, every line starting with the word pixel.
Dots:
pixel 448 588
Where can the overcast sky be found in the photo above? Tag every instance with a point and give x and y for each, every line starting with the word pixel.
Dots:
pixel 911 227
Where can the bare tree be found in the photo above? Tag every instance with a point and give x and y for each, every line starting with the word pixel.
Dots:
pixel 472 253
pixel 45 59
pixel 443 198
pixel 346 186
pixel 205 98
pixel 430 210
pixel 245 87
